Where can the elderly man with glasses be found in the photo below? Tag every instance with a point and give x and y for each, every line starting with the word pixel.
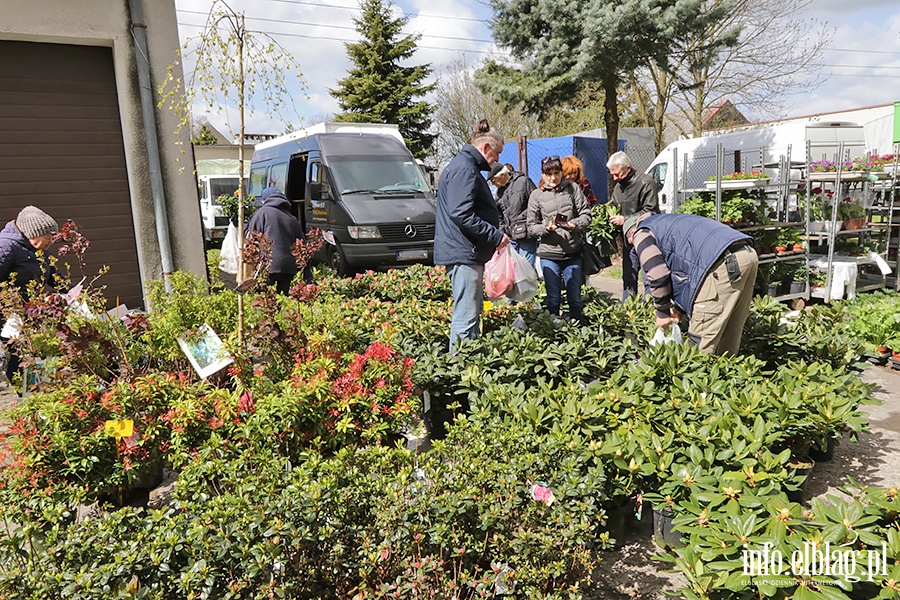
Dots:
pixel 635 194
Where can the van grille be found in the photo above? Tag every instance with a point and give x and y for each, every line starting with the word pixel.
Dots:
pixel 221 221
pixel 396 232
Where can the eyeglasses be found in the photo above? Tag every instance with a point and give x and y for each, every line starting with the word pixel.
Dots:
pixel 547 159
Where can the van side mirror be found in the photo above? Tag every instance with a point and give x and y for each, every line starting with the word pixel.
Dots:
pixel 318 191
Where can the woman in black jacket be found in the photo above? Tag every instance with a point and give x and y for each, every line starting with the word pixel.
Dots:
pixel 513 190
pixel 274 219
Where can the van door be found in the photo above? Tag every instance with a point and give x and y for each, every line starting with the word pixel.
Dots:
pixel 658 172
pixel 317 208
pixel 295 187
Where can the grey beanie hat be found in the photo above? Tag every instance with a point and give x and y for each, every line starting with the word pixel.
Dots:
pixel 33 223
pixel 630 222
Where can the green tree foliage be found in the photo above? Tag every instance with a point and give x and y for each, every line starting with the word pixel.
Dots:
pixel 204 137
pixel 378 89
pixel 232 64
pixel 561 44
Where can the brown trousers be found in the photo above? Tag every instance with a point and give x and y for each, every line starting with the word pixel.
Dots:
pixel 722 306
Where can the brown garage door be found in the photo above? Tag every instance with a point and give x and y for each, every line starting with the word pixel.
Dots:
pixel 61 150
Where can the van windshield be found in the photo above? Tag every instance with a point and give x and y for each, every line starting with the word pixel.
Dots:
pixel 377 174
pixel 222 187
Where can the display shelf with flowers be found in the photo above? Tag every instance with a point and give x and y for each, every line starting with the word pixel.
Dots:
pixel 740 181
pixel 856 169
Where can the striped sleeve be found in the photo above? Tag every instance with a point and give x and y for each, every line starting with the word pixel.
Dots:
pixel 657 271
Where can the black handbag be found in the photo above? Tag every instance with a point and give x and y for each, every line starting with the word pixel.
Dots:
pixel 519 229
pixel 592 259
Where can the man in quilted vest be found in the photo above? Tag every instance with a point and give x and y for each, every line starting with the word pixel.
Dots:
pixel 699 267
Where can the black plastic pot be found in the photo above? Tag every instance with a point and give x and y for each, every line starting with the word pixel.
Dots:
pixel 878 359
pixel 822 455
pixel 617 518
pixel 800 467
pixel 797 287
pixel 663 534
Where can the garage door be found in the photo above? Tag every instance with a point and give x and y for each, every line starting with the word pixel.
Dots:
pixel 61 150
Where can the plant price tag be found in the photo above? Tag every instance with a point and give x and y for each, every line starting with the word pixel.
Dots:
pixel 119 429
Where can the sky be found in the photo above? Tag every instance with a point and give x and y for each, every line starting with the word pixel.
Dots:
pixel 862 62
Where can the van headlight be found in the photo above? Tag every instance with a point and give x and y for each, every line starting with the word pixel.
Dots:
pixel 364 232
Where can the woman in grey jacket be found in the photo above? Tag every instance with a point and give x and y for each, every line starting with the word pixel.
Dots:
pixel 558 213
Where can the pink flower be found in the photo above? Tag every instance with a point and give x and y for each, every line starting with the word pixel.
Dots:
pixel 542 493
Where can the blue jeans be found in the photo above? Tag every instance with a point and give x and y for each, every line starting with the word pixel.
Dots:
pixel 467 283
pixel 527 248
pixel 560 273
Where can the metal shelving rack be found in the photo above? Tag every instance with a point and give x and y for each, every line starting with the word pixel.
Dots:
pixel 831 237
pixel 781 192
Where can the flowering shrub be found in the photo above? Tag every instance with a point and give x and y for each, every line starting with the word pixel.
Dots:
pixel 58 443
pixel 859 163
pixel 414 282
pixel 364 524
pixel 738 175
pixel 334 400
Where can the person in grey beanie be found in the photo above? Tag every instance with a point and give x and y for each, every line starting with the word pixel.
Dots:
pixel 29 233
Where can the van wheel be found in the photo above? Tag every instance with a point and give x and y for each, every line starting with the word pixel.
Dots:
pixel 338 262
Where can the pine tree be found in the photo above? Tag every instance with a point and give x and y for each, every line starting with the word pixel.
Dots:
pixel 204 137
pixel 561 44
pixel 378 89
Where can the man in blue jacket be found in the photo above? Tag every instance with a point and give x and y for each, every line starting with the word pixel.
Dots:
pixel 699 267
pixel 467 228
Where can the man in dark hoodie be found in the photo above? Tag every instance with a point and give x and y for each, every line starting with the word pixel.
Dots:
pixel 274 219
pixel 467 228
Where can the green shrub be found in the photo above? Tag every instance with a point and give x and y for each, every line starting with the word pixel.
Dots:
pixel 365 523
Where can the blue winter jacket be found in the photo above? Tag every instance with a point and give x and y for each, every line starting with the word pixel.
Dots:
pixel 275 220
pixel 18 256
pixel 467 225
pixel 689 245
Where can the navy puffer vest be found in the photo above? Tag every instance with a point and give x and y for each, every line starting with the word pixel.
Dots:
pixel 690 245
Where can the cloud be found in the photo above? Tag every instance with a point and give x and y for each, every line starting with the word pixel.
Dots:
pixel 862 63
pixel 314 35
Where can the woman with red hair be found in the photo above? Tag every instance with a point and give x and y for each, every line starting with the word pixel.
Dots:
pixel 573 170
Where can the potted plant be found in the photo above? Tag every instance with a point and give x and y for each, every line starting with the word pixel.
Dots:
pixel 739 180
pixel 852 215
pixel 701 205
pixel 799 277
pixel 786 240
pixel 817 280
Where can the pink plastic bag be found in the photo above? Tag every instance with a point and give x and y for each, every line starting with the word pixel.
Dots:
pixel 499 273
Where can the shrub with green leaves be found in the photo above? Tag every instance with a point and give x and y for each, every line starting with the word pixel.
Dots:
pixel 419 282
pixel 487 511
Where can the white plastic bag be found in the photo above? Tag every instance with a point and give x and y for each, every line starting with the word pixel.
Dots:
pixel 231 252
pixel 526 285
pixel 662 337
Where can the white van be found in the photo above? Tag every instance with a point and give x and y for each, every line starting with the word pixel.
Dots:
pixel 683 166
pixel 215 223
